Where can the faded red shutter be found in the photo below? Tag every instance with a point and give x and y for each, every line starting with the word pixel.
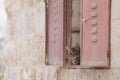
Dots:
pixel 55 32
pixel 95 33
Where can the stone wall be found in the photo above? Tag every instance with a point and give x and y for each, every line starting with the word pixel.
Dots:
pixel 24 53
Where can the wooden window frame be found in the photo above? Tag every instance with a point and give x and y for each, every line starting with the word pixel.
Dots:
pixel 67 35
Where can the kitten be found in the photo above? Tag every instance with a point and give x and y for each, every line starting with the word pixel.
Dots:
pixel 74 55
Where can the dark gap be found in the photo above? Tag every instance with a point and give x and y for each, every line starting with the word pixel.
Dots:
pixel 73 50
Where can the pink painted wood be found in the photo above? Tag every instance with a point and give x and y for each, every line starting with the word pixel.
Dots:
pixel 55 32
pixel 95 33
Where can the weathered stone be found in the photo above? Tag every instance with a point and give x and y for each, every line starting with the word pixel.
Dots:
pixel 24 54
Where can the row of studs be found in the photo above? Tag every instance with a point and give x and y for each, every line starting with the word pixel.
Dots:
pixel 56 14
pixel 94 21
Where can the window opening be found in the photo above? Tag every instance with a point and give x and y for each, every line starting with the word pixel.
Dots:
pixel 74 23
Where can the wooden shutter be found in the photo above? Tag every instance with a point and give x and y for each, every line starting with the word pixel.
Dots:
pixel 95 33
pixel 55 32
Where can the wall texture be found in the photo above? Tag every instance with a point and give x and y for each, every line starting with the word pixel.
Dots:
pixel 24 53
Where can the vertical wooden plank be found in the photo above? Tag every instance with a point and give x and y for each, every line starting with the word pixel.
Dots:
pixel 68 30
pixel 95 33
pixel 55 32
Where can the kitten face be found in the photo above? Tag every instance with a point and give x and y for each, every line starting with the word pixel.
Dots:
pixel 75 55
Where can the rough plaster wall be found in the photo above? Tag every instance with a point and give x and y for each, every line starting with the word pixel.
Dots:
pixel 25 50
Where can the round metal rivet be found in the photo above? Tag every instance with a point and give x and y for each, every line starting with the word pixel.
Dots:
pixel 94 22
pixel 94 5
pixel 94 14
pixel 94 31
pixel 94 39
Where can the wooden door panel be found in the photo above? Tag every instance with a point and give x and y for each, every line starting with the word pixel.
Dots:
pixel 95 33
pixel 55 32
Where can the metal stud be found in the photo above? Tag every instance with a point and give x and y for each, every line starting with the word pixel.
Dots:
pixel 94 14
pixel 94 31
pixel 94 39
pixel 94 5
pixel 94 23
